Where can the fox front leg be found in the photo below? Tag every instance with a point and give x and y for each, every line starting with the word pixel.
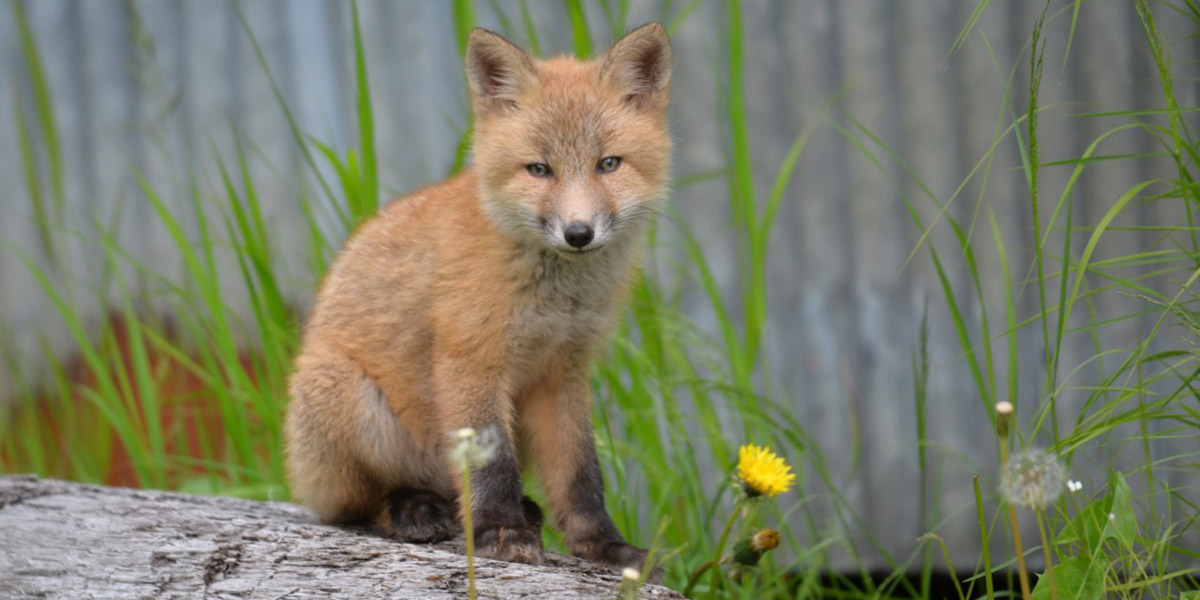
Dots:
pixel 556 417
pixel 508 526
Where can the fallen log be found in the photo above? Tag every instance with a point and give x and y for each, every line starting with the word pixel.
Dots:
pixel 69 540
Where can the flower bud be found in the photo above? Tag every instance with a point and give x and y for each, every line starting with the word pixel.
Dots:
pixel 750 550
pixel 1004 411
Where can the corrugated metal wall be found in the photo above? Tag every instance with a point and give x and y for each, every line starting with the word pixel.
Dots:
pixel 157 86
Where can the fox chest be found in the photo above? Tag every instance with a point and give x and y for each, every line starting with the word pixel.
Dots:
pixel 548 327
pixel 561 311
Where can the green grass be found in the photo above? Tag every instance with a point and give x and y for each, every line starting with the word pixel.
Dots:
pixel 192 399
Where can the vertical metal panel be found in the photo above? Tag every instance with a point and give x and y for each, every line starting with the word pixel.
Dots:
pixel 821 248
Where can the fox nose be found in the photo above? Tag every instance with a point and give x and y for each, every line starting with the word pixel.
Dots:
pixel 578 234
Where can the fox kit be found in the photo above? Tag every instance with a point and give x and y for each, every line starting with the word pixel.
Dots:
pixel 480 301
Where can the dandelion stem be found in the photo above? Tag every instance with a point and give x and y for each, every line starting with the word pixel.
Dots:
pixel 716 557
pixel 1046 552
pixel 695 576
pixel 721 544
pixel 468 530
pixel 1022 572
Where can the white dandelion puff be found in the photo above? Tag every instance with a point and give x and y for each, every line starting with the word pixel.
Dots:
pixel 473 449
pixel 631 580
pixel 1033 479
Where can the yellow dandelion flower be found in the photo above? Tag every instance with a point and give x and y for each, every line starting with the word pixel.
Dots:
pixel 762 472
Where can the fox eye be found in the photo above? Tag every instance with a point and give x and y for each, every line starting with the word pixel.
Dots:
pixel 538 169
pixel 608 164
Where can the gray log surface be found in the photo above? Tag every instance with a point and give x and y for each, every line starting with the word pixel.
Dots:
pixel 69 540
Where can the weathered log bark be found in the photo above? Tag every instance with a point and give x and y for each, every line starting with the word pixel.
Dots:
pixel 68 540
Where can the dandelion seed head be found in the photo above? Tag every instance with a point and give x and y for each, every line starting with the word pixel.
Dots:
pixel 1033 479
pixel 474 449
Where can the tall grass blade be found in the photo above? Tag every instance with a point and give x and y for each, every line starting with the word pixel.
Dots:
pixel 464 22
pixel 363 206
pixel 43 102
pixel 581 36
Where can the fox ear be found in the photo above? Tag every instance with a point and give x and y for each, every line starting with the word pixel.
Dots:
pixel 639 65
pixel 497 71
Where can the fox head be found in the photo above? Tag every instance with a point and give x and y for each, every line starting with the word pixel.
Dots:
pixel 571 154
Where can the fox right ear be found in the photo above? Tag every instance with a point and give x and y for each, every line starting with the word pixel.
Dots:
pixel 497 71
pixel 639 65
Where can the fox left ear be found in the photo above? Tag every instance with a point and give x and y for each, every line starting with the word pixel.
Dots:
pixel 639 65
pixel 497 71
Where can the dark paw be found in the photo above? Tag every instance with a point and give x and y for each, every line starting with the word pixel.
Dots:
pixel 618 554
pixel 513 544
pixel 420 516
pixel 615 553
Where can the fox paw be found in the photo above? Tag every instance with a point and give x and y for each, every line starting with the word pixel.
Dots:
pixel 419 516
pixel 614 553
pixel 513 544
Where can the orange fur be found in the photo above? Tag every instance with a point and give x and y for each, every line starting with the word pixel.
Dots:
pixel 462 305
